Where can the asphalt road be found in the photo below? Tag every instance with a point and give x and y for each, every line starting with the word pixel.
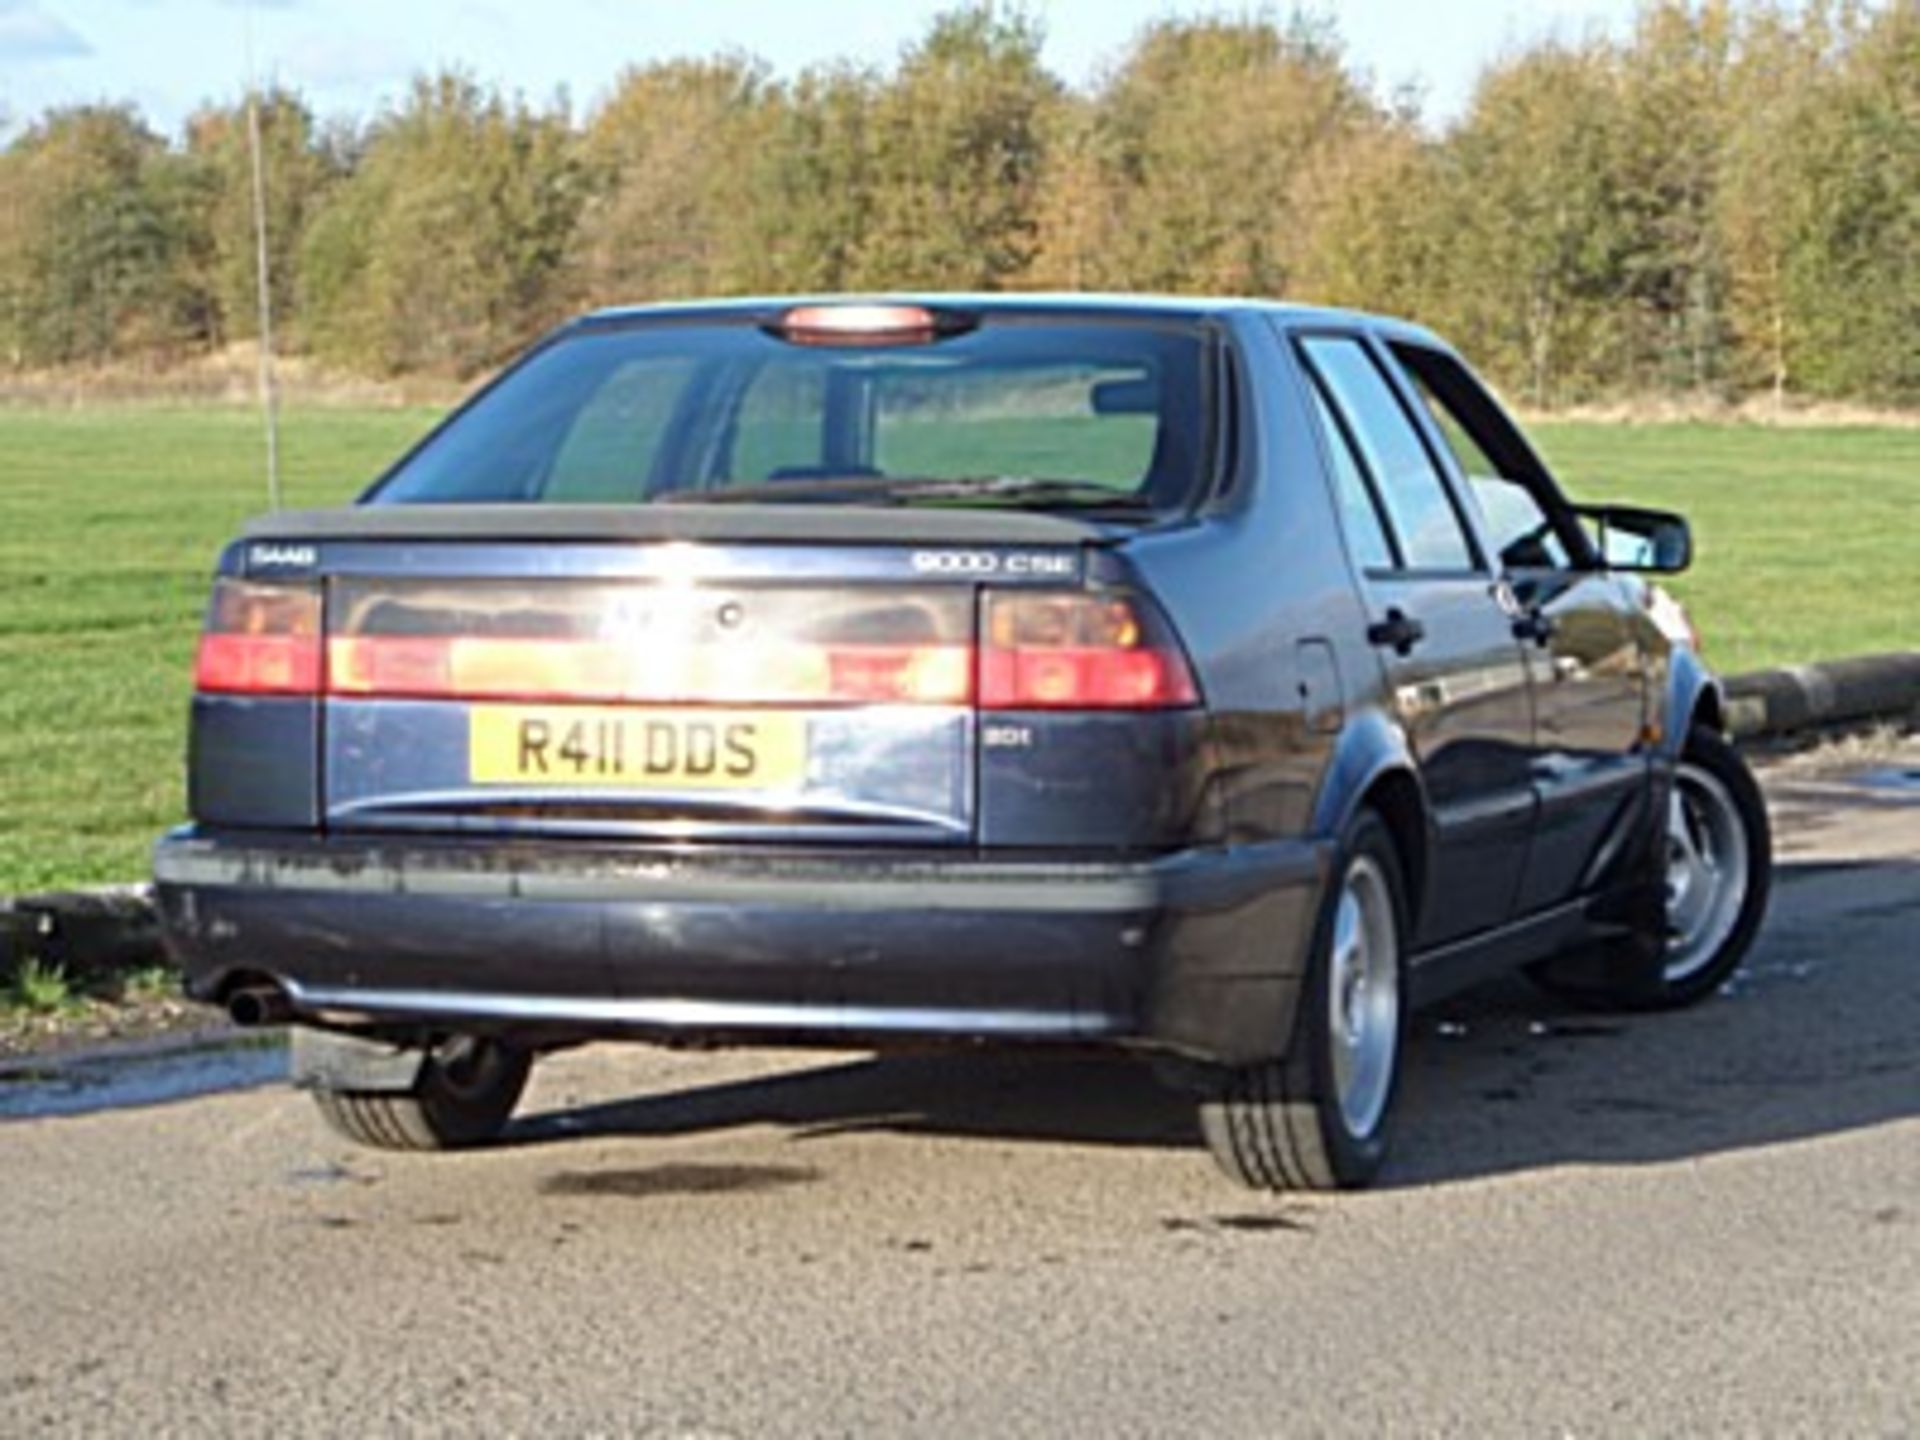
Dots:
pixel 1686 1223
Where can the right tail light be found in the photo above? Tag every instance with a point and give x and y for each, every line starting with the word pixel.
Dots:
pixel 1079 651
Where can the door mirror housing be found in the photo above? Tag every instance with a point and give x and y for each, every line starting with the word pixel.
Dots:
pixel 1626 537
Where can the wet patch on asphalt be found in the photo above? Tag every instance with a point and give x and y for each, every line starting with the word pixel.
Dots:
pixel 1574 1030
pixel 334 1173
pixel 654 1181
pixel 1251 1223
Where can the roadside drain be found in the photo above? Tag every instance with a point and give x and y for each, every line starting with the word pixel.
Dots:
pixel 114 1079
pixel 1892 778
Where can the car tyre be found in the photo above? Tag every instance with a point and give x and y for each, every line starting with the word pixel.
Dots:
pixel 1717 849
pixel 1318 1118
pixel 464 1096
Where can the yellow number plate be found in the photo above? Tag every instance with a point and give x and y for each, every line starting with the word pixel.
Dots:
pixel 636 749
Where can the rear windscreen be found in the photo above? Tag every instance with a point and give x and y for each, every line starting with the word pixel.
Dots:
pixel 639 413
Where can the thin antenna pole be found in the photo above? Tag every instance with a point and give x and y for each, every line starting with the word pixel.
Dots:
pixel 269 391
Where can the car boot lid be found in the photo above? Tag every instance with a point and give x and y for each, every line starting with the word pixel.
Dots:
pixel 806 524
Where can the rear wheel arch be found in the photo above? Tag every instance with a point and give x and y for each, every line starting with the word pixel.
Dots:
pixel 1373 767
pixel 1396 797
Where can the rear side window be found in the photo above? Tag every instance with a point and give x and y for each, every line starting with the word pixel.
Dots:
pixel 1114 408
pixel 1521 533
pixel 1408 483
pixel 1360 518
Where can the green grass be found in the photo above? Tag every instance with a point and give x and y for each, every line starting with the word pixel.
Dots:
pixel 40 989
pixel 1804 539
pixel 149 982
pixel 110 521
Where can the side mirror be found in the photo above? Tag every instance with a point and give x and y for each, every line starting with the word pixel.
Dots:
pixel 1655 542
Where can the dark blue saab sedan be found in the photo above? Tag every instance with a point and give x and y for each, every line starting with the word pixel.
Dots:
pixel 1216 680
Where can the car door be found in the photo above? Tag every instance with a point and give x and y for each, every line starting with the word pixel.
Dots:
pixel 1590 766
pixel 1456 676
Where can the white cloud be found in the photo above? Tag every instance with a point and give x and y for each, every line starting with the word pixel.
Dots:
pixel 346 61
pixel 29 34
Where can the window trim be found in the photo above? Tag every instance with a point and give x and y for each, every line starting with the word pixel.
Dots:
pixel 1321 400
pixel 1479 567
pixel 1511 451
pixel 1230 408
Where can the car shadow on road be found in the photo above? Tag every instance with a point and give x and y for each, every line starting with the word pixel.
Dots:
pixel 1820 1034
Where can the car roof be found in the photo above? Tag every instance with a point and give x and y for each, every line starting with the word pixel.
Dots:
pixel 1190 307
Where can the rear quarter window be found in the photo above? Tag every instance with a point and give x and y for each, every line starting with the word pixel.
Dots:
pixel 1409 484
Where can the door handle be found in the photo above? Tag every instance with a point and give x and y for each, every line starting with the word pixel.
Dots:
pixel 1534 625
pixel 1399 630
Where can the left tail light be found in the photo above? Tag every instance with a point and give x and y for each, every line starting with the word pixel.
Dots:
pixel 261 639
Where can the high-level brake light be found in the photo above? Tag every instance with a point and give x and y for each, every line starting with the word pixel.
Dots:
pixel 867 324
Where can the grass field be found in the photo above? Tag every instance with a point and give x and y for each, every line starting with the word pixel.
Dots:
pixel 110 520
pixel 109 525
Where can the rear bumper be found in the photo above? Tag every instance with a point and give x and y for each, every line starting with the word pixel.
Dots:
pixel 1196 953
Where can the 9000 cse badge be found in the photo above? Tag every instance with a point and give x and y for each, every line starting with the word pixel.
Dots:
pixel 1039 563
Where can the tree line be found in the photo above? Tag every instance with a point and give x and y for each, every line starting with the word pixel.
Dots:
pixel 1724 201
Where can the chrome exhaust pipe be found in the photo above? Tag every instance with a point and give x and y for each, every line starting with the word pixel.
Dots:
pixel 256 1005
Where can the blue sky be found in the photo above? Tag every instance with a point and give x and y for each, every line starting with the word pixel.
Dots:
pixel 348 56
